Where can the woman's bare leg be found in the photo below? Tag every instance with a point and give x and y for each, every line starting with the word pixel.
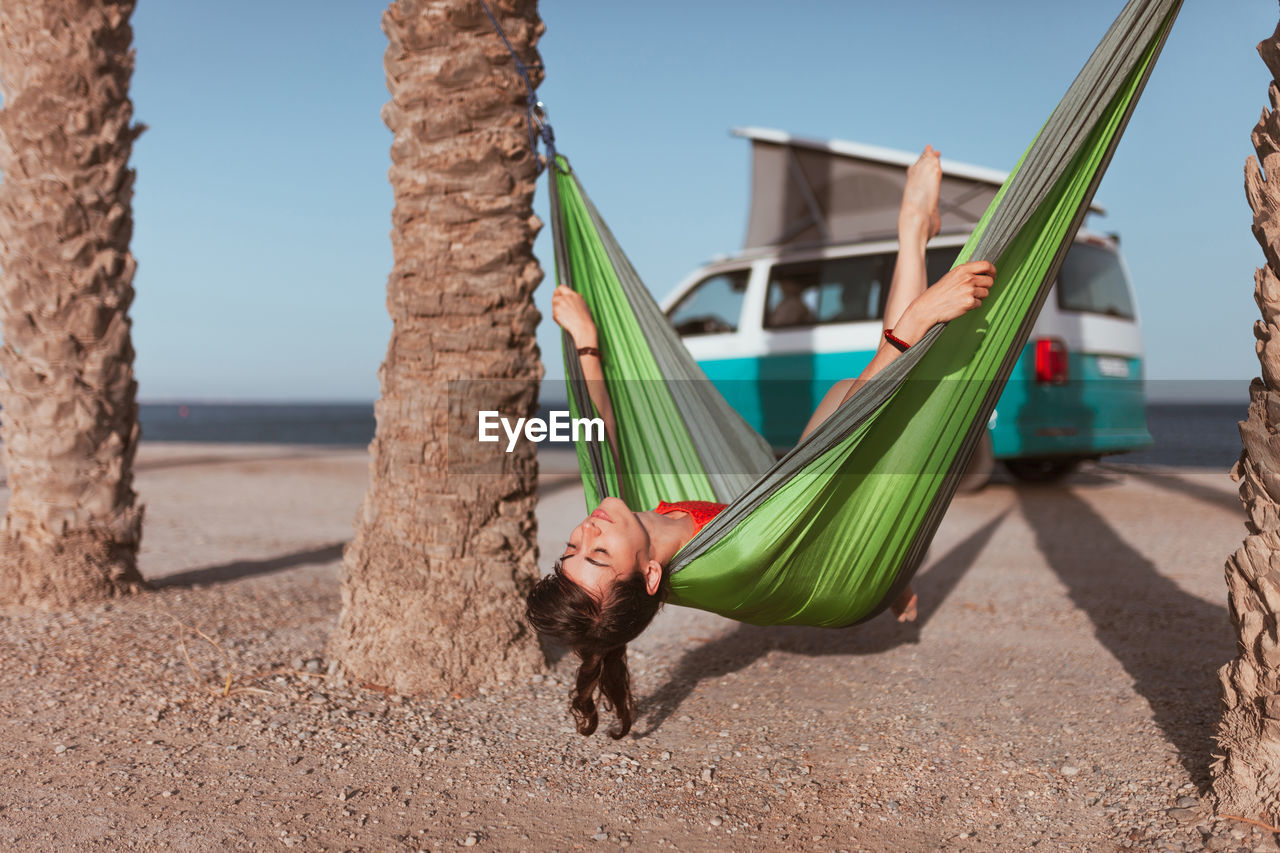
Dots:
pixel 904 606
pixel 918 220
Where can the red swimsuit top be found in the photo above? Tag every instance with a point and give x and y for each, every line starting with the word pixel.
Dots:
pixel 700 511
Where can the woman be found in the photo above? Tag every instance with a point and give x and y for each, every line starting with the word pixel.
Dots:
pixel 611 579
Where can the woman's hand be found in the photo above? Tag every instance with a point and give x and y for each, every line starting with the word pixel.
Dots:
pixel 570 311
pixel 956 293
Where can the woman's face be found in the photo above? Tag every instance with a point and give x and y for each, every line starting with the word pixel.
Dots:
pixel 606 547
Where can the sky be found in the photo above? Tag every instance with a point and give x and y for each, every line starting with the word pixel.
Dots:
pixel 263 209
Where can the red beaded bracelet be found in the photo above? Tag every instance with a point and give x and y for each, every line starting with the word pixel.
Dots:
pixel 589 351
pixel 896 342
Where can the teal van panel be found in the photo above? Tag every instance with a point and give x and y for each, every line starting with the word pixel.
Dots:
pixel 1090 415
pixel 792 385
pixel 736 380
pixel 776 394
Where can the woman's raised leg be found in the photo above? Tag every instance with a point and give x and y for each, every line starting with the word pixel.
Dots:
pixel 918 220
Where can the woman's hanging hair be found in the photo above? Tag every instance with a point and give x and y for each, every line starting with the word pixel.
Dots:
pixel 598 631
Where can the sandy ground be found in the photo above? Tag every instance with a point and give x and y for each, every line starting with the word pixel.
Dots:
pixel 1058 692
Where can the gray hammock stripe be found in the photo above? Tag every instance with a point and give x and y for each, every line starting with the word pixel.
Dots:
pixel 732 454
pixel 576 380
pixel 920 545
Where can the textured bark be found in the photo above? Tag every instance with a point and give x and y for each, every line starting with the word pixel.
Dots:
pixel 434 581
pixel 1247 778
pixel 68 397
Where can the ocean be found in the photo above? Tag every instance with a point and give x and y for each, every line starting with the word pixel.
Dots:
pixel 1185 434
pixel 336 424
pixel 1199 435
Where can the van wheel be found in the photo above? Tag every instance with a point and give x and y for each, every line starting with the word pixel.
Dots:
pixel 981 466
pixel 1048 470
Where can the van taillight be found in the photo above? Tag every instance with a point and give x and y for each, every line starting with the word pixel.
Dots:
pixel 1051 360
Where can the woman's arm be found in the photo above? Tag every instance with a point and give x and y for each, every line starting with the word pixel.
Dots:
pixel 570 311
pixel 956 293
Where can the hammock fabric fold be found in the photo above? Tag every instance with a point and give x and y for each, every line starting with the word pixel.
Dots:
pixel 829 534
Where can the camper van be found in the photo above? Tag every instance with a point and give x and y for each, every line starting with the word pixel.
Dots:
pixel 800 307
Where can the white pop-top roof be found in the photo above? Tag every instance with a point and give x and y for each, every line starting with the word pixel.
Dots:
pixel 811 192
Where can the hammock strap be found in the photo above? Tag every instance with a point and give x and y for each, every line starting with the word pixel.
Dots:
pixel 536 111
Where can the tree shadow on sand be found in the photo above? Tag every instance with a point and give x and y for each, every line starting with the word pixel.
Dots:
pixel 1169 641
pixel 247 568
pixel 746 643
pixel 1230 501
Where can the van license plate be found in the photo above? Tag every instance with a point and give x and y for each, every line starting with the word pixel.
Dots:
pixel 1111 366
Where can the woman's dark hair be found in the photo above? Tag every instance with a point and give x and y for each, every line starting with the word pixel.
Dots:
pixel 598 631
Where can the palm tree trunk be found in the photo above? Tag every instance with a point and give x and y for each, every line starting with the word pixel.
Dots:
pixel 433 583
pixel 1247 778
pixel 68 397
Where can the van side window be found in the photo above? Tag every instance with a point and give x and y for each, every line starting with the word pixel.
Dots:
pixel 837 290
pixel 712 306
pixel 1092 280
pixel 938 262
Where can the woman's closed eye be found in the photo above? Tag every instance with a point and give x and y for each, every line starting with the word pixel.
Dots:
pixel 570 550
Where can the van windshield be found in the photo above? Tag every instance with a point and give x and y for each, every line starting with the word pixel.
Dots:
pixel 1093 281
pixel 712 306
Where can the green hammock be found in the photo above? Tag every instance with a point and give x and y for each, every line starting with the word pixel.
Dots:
pixel 830 534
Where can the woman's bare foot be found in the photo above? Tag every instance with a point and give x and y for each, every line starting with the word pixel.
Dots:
pixel 904 607
pixel 920 195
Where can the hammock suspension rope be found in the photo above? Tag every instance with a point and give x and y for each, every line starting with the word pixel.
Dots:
pixel 536 111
